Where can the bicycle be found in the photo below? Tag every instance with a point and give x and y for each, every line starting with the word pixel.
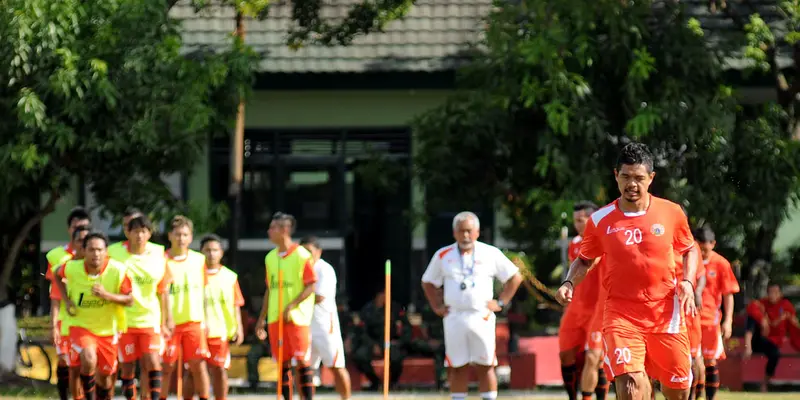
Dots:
pixel 33 362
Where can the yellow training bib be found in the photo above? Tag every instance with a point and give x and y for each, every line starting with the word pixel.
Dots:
pixel 187 289
pixel 221 304
pixel 95 314
pixel 293 265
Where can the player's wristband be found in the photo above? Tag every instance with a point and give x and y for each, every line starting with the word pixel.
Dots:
pixel 690 282
pixel 570 283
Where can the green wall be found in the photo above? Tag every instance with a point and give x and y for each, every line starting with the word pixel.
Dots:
pixel 298 109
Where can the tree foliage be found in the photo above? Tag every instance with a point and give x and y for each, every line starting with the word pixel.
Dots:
pixel 101 90
pixel 560 86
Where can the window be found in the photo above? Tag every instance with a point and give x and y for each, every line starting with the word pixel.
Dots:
pixel 309 196
pixel 257 201
pixel 307 173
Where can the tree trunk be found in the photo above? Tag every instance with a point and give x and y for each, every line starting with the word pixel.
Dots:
pixel 10 258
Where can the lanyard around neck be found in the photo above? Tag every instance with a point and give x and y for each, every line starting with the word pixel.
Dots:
pixel 463 264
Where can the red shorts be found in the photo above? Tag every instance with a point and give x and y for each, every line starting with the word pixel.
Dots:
pixel 61 343
pixel 594 341
pixel 574 329
pixel 713 348
pixel 296 341
pixel 695 335
pixel 664 356
pixel 190 339
pixel 105 348
pixel 219 353
pixel 136 342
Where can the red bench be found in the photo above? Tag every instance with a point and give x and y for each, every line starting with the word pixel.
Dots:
pixel 735 372
pixel 419 370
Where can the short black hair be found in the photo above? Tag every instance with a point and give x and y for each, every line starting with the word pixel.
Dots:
pixel 310 240
pixel 95 235
pixel 585 205
pixel 210 238
pixel 704 235
pixel 774 283
pixel 132 212
pixel 284 218
pixel 78 213
pixel 635 153
pixel 83 228
pixel 140 221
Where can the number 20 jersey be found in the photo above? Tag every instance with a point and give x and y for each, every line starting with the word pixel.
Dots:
pixel 640 270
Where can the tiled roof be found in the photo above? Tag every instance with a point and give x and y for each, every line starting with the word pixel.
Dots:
pixel 722 28
pixel 434 36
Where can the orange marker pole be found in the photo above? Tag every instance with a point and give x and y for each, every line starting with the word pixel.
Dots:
pixel 280 334
pixel 387 328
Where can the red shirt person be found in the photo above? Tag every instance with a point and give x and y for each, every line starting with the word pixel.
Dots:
pixel 768 322
pixel 573 333
pixel 644 319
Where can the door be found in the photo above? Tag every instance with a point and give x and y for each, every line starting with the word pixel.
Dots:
pixel 380 230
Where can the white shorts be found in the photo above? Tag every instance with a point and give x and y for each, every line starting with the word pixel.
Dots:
pixel 469 338
pixel 327 347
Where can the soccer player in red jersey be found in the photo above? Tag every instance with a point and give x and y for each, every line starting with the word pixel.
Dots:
pixel 721 284
pixel 573 334
pixel 768 321
pixel 693 327
pixel 643 323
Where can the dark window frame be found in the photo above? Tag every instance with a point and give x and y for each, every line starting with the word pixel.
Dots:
pixel 281 163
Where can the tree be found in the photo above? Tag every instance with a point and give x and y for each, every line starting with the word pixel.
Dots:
pixel 768 36
pixel 554 91
pixel 101 90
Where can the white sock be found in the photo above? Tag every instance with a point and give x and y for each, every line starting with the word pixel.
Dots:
pixel 489 395
pixel 458 396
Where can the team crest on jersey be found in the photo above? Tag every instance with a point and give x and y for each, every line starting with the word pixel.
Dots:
pixel 657 229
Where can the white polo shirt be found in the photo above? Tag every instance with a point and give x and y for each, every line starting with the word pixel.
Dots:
pixel 475 273
pixel 326 287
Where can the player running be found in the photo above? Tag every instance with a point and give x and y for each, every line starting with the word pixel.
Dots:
pixel 327 346
pixel 643 324
pixel 298 282
pixel 187 296
pixel 693 327
pixel 223 315
pixel 97 287
pixel 466 271
pixel 68 375
pixel 68 380
pixel 721 284
pixel 574 337
pixel 150 316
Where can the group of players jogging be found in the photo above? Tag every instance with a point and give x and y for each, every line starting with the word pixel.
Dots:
pixel 133 302
pixel 643 295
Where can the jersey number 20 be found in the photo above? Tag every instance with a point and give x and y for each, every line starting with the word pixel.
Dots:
pixel 633 236
pixel 623 355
